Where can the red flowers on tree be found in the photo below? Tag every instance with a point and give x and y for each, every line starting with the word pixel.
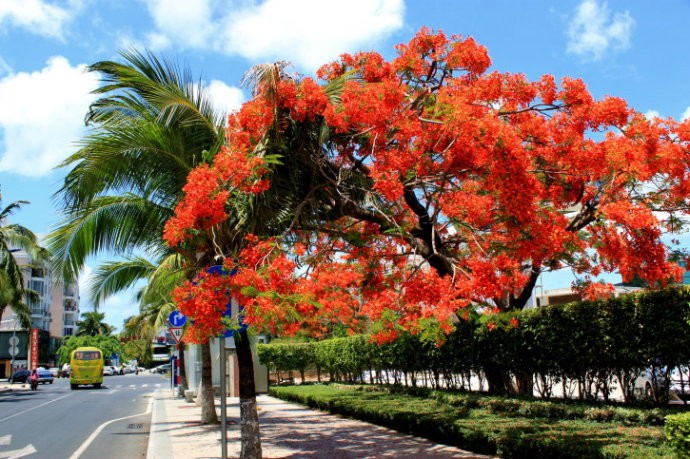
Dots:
pixel 439 185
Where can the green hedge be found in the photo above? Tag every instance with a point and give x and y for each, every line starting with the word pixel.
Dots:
pixel 678 433
pixel 596 344
pixel 510 428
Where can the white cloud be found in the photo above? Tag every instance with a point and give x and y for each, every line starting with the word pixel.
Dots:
pixel 225 98
pixel 4 67
pixel 306 32
pixel 651 114
pixel 38 16
pixel 116 308
pixel 84 279
pixel 189 23
pixel 593 30
pixel 309 32
pixel 42 115
pixel 686 114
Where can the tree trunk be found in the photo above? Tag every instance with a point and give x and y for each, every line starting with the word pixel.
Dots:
pixel 206 397
pixel 249 416
pixel 497 379
pixel 525 383
pixel 183 370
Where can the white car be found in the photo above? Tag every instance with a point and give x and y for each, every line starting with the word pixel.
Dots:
pixel 651 385
pixel 108 371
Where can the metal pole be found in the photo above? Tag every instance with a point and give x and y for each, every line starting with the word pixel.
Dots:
pixel 223 405
pixel 14 340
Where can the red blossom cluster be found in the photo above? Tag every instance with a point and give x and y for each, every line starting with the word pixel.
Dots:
pixel 512 176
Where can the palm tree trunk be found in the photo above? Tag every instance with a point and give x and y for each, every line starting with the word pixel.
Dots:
pixel 208 402
pixel 249 415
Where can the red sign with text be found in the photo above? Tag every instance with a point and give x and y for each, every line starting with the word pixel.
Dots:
pixel 34 348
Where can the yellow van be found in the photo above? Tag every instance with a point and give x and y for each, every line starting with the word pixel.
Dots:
pixel 87 367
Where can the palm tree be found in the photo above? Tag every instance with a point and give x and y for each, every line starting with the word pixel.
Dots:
pixel 15 237
pixel 151 126
pixel 155 303
pixel 92 324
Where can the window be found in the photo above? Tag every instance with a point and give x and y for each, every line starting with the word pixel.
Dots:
pixel 87 355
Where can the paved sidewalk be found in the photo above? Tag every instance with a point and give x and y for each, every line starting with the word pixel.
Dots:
pixel 7 387
pixel 287 431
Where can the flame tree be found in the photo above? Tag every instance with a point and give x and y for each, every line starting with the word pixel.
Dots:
pixel 400 192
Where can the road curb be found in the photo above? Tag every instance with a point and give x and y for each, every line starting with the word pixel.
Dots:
pixel 159 438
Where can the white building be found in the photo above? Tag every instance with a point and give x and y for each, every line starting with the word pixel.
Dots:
pixel 57 308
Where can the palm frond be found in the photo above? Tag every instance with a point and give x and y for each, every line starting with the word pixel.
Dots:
pixel 112 277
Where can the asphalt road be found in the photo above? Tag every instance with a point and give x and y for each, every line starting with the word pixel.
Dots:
pixel 56 422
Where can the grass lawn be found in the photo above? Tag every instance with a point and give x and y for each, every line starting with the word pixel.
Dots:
pixel 508 427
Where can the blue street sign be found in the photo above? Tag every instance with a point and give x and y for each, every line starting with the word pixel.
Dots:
pixel 177 319
pixel 228 313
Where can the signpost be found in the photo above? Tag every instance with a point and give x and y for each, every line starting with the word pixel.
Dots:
pixel 34 348
pixel 177 319
pixel 176 333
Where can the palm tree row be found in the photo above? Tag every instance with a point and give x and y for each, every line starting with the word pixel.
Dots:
pixel 150 127
pixel 14 237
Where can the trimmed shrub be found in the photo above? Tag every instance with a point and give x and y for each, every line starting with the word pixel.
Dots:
pixel 677 429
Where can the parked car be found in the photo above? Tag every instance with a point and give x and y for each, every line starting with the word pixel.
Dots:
pixel 19 376
pixel 45 377
pixel 108 371
pixel 162 368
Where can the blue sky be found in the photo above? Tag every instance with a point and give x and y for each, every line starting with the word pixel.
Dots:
pixel 633 49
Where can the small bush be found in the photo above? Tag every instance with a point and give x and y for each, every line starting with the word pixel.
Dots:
pixel 677 431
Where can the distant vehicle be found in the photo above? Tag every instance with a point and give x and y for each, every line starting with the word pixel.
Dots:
pixel 87 367
pixel 160 352
pixel 108 371
pixel 45 377
pixel 129 369
pixel 19 376
pixel 55 371
pixel 66 370
pixel 162 368
pixel 652 384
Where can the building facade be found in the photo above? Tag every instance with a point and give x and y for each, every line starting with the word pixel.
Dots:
pixel 54 313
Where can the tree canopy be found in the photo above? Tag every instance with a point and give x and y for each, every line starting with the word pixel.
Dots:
pixel 92 324
pixel 109 345
pixel 415 187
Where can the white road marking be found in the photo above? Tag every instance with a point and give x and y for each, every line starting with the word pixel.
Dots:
pixel 100 428
pixel 16 453
pixel 5 440
pixel 35 407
